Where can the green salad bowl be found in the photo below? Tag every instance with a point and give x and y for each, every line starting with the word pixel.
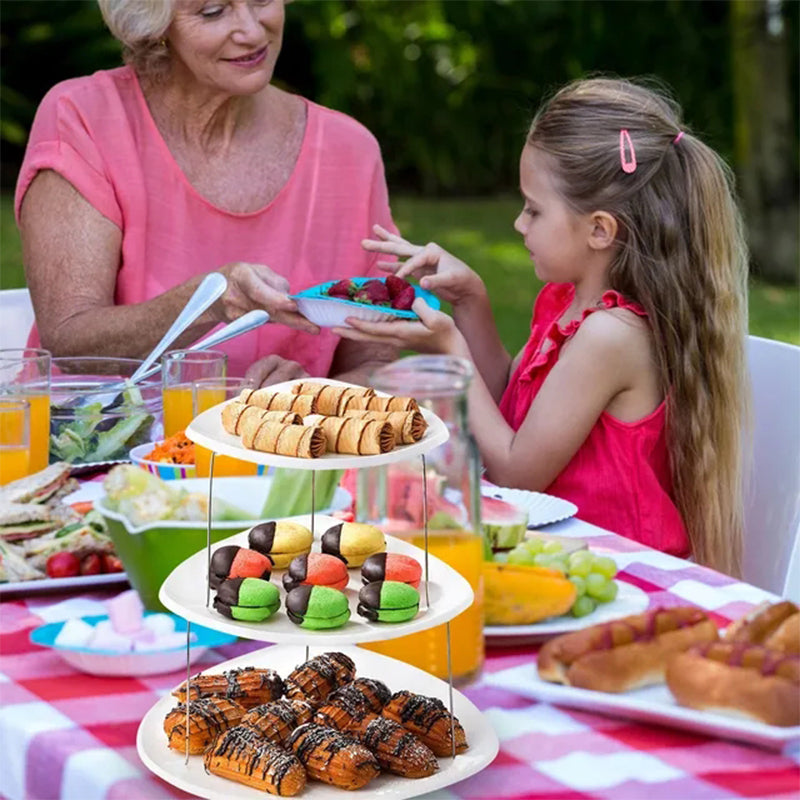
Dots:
pixel 150 552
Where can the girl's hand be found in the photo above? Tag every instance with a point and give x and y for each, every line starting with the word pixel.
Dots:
pixel 257 286
pixel 434 333
pixel 437 270
pixel 274 369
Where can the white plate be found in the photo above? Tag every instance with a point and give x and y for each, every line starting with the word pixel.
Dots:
pixel 654 704
pixel 207 431
pixel 542 509
pixel 184 593
pixel 76 584
pixel 630 600
pixel 168 764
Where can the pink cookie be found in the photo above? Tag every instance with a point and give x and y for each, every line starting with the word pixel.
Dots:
pixel 316 569
pixel 391 567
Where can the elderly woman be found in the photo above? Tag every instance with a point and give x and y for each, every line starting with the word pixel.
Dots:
pixel 138 181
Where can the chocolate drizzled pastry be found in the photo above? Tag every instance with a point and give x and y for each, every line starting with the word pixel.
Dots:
pixel 319 676
pixel 240 754
pixel 208 717
pixel 276 720
pixel 333 757
pixel 428 718
pixel 375 693
pixel 346 708
pixel 248 686
pixel 397 750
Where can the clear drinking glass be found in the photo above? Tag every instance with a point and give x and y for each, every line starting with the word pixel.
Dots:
pixel 208 392
pixel 391 497
pixel 179 370
pixel 15 442
pixel 25 375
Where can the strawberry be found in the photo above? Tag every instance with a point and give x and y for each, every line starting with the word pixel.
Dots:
pixel 404 299
pixel 111 563
pixel 343 289
pixel 91 564
pixel 395 285
pixel 63 565
pixel 373 292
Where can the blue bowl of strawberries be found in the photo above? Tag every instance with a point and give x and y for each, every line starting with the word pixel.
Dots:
pixel 329 304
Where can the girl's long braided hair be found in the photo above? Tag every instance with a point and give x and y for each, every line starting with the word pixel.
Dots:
pixel 682 255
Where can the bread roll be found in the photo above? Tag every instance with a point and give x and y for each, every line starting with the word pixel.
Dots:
pixel 624 654
pixel 408 426
pixel 280 401
pixel 235 413
pixel 360 437
pixel 300 441
pixel 313 387
pixel 738 679
pixel 377 403
pixel 774 625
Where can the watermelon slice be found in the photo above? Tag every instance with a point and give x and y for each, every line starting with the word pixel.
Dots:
pixel 503 524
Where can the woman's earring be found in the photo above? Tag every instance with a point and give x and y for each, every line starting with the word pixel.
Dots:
pixel 162 42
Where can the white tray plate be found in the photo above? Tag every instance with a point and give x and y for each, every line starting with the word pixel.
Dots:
pixel 543 509
pixel 653 704
pixel 207 431
pixel 630 600
pixel 483 744
pixel 184 593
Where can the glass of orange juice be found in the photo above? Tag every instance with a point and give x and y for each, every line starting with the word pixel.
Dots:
pixel 208 392
pixel 179 370
pixel 15 442
pixel 25 375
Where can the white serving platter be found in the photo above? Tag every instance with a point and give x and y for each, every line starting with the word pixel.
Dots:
pixel 170 765
pixel 630 599
pixel 653 704
pixel 543 509
pixel 185 589
pixel 207 431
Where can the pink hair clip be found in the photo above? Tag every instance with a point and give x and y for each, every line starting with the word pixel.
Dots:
pixel 628 163
pixel 678 137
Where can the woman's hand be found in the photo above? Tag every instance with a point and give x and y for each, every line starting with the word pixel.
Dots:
pixel 274 369
pixel 437 270
pixel 257 286
pixel 434 333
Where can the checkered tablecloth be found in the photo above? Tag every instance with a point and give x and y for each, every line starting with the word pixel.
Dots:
pixel 64 734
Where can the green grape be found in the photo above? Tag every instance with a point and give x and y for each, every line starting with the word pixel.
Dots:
pixel 519 555
pixel 607 592
pixel 552 547
pixel 595 584
pixel 533 546
pixel 582 606
pixel 579 584
pixel 605 566
pixel 542 560
pixel 500 557
pixel 580 567
pixel 556 565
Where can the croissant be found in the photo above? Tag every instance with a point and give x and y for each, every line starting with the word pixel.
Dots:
pixel 240 754
pixel 208 717
pixel 276 720
pixel 319 676
pixel 428 718
pixel 270 400
pixel 408 426
pixel 397 750
pixel 235 414
pixel 312 387
pixel 248 686
pixel 378 403
pixel 359 437
pixel 333 757
pixel 300 441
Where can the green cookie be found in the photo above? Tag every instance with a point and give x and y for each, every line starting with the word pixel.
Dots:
pixel 321 623
pixel 248 614
pixel 255 592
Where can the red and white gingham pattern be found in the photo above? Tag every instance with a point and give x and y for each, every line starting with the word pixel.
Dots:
pixel 64 734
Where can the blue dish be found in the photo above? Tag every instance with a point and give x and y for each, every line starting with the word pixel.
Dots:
pixel 327 312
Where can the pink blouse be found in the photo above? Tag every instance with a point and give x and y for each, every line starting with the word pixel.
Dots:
pixel 619 478
pixel 97 132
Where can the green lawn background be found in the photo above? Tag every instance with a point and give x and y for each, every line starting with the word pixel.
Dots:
pixel 480 232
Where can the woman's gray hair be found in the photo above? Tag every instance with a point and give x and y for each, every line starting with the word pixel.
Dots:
pixel 141 25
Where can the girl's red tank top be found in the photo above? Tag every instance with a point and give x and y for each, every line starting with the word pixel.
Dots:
pixel 619 478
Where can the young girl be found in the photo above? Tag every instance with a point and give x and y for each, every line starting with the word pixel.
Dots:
pixel 629 396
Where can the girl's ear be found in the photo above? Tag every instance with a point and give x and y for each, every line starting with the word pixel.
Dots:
pixel 603 230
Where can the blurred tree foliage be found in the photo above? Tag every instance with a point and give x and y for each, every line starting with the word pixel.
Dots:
pixel 447 86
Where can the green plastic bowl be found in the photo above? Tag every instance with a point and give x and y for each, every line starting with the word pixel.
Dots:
pixel 150 552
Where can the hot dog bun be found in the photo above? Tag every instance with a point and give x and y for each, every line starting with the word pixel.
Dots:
pixel 624 654
pixel 774 625
pixel 738 679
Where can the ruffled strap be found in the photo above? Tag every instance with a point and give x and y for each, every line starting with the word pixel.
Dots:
pixel 553 339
